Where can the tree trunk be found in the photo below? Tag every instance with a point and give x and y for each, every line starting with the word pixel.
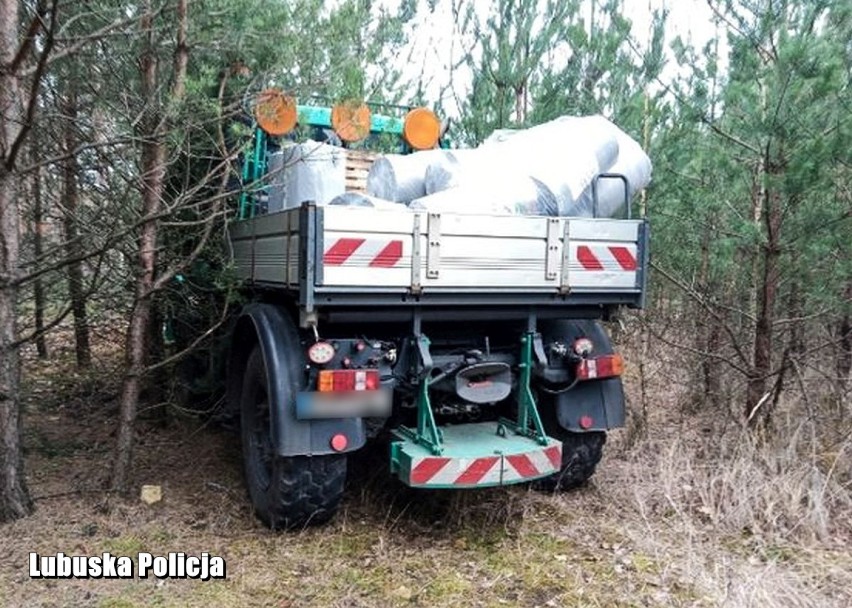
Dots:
pixel 14 495
pixel 132 386
pixel 795 311
pixel 153 168
pixel 153 173
pixel 38 250
pixel 844 331
pixel 756 394
pixel 710 368
pixel 709 334
pixel 520 105
pixel 15 501
pixel 73 249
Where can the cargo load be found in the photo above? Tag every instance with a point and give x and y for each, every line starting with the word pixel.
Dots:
pixel 401 178
pixel 551 169
pixel 311 171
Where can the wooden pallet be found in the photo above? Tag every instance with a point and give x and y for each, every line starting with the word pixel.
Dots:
pixel 358 163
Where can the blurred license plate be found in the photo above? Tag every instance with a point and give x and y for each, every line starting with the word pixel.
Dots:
pixel 362 404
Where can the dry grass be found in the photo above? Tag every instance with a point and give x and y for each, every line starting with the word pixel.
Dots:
pixel 752 522
pixel 677 519
pixel 775 492
pixel 755 525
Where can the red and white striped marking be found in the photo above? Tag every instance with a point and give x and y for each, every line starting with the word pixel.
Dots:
pixel 488 470
pixel 607 257
pixel 372 253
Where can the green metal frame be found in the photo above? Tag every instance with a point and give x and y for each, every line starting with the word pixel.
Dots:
pixel 254 168
pixel 254 163
pixel 320 116
pixel 528 424
pixel 427 429
pixel 427 432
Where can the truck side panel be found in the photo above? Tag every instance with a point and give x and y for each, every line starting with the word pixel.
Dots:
pixel 368 251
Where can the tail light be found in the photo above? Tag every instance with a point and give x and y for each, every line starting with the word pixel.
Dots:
pixel 348 380
pixel 605 366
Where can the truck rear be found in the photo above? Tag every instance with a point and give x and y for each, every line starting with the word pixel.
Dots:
pixel 471 343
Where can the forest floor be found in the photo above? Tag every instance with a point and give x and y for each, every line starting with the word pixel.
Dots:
pixel 630 538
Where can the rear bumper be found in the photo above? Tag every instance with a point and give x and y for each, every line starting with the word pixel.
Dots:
pixel 474 456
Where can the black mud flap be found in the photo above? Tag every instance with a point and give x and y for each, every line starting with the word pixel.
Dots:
pixel 596 405
pixel 592 405
pixel 284 359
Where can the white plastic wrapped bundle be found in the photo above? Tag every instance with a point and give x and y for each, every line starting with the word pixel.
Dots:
pixel 460 167
pixel 633 164
pixel 358 199
pixel 311 171
pixel 401 178
pixel 544 170
pixel 500 195
pixel 563 155
pixel 277 186
pixel 499 136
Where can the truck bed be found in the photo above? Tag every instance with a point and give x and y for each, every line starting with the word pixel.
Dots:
pixel 338 256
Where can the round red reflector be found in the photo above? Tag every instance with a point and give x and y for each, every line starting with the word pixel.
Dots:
pixel 586 422
pixel 339 442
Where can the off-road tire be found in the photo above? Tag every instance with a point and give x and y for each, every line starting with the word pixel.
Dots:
pixel 287 492
pixel 581 453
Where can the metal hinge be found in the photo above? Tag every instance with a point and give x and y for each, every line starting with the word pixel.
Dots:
pixel 552 256
pixel 416 287
pixel 433 246
pixel 564 286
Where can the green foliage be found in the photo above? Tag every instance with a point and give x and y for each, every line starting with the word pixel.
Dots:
pixel 311 49
pixel 749 134
pixel 751 176
pixel 537 60
pixel 308 47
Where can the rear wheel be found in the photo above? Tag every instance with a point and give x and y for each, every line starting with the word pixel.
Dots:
pixel 287 491
pixel 581 453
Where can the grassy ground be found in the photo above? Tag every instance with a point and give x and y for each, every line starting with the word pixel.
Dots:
pixel 646 532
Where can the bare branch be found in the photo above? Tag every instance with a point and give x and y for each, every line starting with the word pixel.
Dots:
pixel 730 137
pixel 82 42
pixel 735 338
pixel 34 88
pixel 94 284
pixel 195 343
pixel 36 23
pixel 695 351
pixel 119 141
